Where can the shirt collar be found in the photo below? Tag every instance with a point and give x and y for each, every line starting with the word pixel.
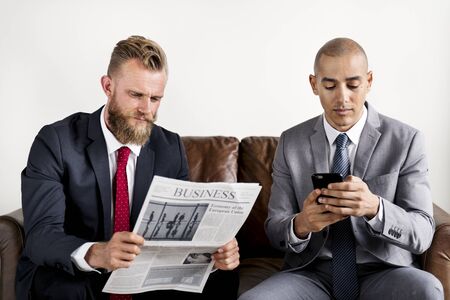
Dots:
pixel 112 144
pixel 353 133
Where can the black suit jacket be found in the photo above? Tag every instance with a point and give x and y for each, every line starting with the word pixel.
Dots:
pixel 66 190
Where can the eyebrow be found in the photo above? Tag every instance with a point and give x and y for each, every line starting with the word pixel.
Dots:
pixel 353 78
pixel 327 79
pixel 158 97
pixel 137 91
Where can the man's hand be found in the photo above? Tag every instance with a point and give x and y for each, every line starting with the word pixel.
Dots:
pixel 314 217
pixel 227 256
pixel 352 198
pixel 119 252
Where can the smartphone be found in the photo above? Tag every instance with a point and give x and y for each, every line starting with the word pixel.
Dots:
pixel 321 180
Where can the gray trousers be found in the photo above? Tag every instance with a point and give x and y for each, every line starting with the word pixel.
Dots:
pixel 377 281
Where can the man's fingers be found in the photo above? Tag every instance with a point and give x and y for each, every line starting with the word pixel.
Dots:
pixel 228 246
pixel 116 263
pixel 312 197
pixel 227 263
pixel 128 237
pixel 223 255
pixel 125 248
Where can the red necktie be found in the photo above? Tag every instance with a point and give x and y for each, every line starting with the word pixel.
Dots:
pixel 122 205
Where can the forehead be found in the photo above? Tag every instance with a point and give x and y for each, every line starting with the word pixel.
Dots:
pixel 342 67
pixel 134 73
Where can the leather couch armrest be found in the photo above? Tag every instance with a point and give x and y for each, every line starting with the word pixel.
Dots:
pixel 11 245
pixel 436 259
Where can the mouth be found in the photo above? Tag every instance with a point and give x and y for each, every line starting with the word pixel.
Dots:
pixel 142 118
pixel 342 111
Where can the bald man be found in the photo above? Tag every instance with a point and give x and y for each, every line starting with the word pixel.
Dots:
pixel 383 207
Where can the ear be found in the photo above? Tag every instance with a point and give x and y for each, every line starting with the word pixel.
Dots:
pixel 313 82
pixel 369 79
pixel 106 83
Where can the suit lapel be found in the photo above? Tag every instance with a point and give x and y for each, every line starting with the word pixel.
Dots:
pixel 318 142
pixel 98 157
pixel 367 142
pixel 142 179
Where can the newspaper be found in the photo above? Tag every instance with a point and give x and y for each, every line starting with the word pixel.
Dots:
pixel 183 223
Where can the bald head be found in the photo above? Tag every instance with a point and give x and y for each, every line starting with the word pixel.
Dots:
pixel 339 47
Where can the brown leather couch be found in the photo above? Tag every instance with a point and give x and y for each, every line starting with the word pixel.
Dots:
pixel 228 159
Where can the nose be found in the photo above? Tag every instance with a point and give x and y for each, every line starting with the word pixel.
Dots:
pixel 145 105
pixel 342 94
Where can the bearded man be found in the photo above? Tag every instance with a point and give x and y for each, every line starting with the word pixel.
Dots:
pixel 75 228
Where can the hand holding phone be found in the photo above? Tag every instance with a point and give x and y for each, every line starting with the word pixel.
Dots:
pixel 321 180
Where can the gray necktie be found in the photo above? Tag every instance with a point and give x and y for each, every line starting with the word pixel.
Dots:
pixel 343 266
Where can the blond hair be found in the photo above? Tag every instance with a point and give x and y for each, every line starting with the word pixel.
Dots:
pixel 148 52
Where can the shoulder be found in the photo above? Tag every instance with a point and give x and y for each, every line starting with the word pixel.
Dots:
pixel 389 126
pixel 394 134
pixel 304 129
pixel 79 119
pixel 161 137
pixel 68 127
pixel 395 129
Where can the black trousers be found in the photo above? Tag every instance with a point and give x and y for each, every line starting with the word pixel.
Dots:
pixel 50 283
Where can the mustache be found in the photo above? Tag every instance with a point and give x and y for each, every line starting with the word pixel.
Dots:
pixel 149 118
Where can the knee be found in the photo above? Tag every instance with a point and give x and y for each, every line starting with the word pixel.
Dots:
pixel 424 287
pixel 60 292
pixel 50 284
pixel 432 289
pixel 256 294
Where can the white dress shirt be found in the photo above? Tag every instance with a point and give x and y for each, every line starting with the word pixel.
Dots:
pixel 112 145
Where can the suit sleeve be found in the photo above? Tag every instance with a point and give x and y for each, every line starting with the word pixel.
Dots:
pixel 408 219
pixel 282 204
pixel 43 202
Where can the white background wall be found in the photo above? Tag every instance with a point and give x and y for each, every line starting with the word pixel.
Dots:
pixel 237 67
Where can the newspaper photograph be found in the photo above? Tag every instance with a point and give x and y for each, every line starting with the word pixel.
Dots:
pixel 183 224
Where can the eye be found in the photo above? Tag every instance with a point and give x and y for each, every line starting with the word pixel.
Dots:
pixel 353 84
pixel 155 99
pixel 135 94
pixel 330 87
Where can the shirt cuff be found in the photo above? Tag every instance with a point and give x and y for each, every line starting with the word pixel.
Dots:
pixel 78 255
pixel 376 223
pixel 295 243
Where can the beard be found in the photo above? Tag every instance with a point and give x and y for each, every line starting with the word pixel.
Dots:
pixel 120 125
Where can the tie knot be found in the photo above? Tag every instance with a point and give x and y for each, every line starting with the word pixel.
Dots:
pixel 342 141
pixel 122 157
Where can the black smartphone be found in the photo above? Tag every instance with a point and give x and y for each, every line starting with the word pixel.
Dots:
pixel 321 180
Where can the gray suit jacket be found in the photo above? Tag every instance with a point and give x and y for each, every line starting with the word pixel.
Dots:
pixel 390 158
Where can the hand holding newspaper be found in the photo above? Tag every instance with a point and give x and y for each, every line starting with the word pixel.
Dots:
pixel 183 223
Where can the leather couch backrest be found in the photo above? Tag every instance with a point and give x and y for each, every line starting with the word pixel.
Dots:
pixel 212 158
pixel 220 158
pixel 255 165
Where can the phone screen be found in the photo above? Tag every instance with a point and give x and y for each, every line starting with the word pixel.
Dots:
pixel 321 180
